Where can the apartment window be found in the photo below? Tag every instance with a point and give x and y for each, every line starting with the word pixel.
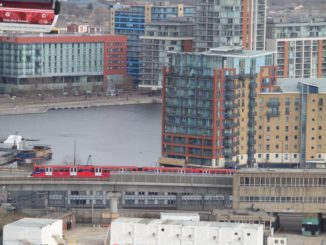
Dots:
pixel 286 128
pixel 320 102
pixel 267 147
pixel 260 127
pixel 267 138
pixel 276 146
pixel 295 155
pixel 277 137
pixel 259 137
pixel 296 127
pixel 268 128
pixel 286 138
pixel 276 155
pixel 319 156
pixel 259 155
pixel 267 156
pixel 277 127
pixel 319 137
pixel 312 138
pixel 320 128
pixel 295 137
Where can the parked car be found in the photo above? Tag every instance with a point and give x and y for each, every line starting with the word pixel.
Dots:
pixel 8 206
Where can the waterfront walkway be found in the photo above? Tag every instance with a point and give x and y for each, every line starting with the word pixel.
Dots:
pixel 12 106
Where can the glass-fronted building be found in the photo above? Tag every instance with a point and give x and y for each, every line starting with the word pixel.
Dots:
pixel 300 47
pixel 131 20
pixel 61 61
pixel 240 23
pixel 209 106
pixel 174 34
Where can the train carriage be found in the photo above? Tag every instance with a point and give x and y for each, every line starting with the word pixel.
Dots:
pixel 79 171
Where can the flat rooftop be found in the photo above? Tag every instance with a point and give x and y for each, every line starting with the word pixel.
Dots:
pixel 280 170
pixel 296 20
pixel 33 222
pixel 290 85
pixel 229 51
pixel 187 223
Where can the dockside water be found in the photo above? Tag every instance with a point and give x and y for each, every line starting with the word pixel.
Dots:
pixel 113 135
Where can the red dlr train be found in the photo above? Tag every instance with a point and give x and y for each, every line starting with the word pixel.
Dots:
pixel 91 171
pixel 78 171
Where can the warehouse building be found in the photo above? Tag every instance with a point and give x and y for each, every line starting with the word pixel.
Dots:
pixel 162 232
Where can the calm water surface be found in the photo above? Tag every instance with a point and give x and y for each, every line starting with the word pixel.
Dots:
pixel 113 135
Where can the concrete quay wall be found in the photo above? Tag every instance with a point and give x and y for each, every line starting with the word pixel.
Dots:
pixel 30 107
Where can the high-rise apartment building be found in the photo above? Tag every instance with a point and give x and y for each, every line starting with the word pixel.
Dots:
pixel 300 47
pixel 174 34
pixel 230 23
pixel 130 20
pixel 291 124
pixel 209 106
pixel 72 62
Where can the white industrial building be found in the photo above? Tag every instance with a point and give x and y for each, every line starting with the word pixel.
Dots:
pixel 272 240
pixel 33 231
pixel 137 231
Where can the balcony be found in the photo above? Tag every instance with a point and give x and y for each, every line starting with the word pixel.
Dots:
pixel 228 105
pixel 252 103
pixel 227 143
pixel 227 133
pixel 252 113
pixel 231 115
pixel 252 123
pixel 229 86
pixel 251 151
pixel 251 142
pixel 251 132
pixel 231 96
pixel 252 95
pixel 227 153
pixel 273 103
pixel 253 75
pixel 273 113
pixel 230 78
pixel 252 85
pixel 229 125
pixel 243 76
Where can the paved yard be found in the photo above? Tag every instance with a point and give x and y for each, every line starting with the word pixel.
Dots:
pixel 86 235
